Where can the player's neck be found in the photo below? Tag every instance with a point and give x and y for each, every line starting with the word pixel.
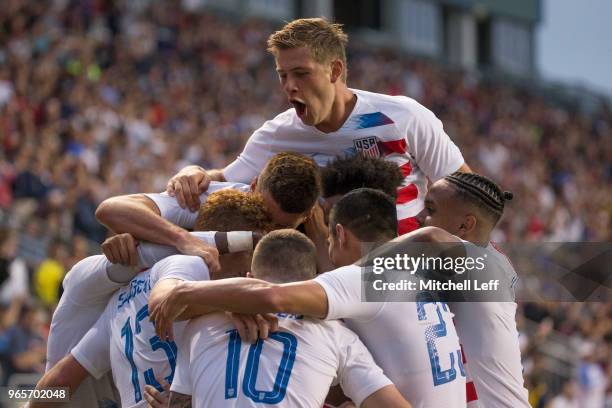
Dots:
pixel 480 239
pixel 343 105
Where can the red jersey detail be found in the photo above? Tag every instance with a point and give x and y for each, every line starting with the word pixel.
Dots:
pixel 394 146
pixel 471 391
pixel 407 225
pixel 406 194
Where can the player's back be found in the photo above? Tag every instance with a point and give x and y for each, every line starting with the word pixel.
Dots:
pixel 415 343
pixel 417 346
pixel 137 354
pixel 293 368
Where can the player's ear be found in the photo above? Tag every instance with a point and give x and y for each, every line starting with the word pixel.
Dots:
pixel 249 274
pixel 341 235
pixel 337 67
pixel 469 224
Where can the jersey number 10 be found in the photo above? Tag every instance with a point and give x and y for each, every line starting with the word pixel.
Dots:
pixel 274 396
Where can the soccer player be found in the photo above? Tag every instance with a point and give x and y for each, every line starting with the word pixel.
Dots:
pixel 289 185
pixel 425 367
pixel 328 119
pixel 90 284
pixel 135 352
pixel 340 176
pixel 469 206
pixel 294 367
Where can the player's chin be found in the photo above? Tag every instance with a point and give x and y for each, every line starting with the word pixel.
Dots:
pixel 308 120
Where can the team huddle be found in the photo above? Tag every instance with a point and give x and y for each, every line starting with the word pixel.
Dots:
pixel 210 296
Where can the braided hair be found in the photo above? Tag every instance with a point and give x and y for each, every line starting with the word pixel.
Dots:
pixel 480 191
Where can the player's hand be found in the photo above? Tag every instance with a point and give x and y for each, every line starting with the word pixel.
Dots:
pixel 315 226
pixel 254 327
pixel 155 398
pixel 187 185
pixel 121 249
pixel 192 245
pixel 165 312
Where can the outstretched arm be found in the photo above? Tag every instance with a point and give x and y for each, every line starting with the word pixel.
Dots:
pixel 239 295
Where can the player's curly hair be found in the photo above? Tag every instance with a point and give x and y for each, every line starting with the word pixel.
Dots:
pixel 326 41
pixel 347 174
pixel 233 210
pixel 481 192
pixel 293 181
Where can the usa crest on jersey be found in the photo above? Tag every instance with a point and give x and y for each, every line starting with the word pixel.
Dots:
pixel 367 146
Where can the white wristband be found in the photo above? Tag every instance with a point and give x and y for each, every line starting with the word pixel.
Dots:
pixel 238 241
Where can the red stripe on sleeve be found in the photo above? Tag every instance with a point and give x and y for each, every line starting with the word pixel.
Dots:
pixel 407 225
pixel 394 146
pixel 470 391
pixel 406 194
pixel 406 169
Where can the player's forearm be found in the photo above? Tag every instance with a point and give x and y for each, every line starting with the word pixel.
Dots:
pixel 238 295
pixel 66 373
pixel 178 400
pixel 216 175
pixel 129 214
pixel 250 296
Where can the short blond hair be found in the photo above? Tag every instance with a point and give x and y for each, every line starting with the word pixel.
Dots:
pixel 326 41
pixel 233 210
pixel 284 256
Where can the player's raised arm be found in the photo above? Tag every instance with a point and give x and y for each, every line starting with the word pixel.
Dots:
pixel 139 216
pixel 142 218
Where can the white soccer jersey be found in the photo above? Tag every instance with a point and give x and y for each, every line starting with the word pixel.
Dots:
pixel 135 353
pixel 397 128
pixel 415 343
pixel 170 209
pixel 293 368
pixel 490 340
pixel 87 289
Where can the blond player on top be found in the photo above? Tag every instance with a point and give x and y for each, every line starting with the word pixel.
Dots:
pixel 329 119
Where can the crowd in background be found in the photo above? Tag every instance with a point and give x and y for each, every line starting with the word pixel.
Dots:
pixel 101 98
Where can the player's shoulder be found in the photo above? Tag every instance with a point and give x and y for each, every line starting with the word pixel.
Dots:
pixel 400 108
pixel 385 102
pixel 285 121
pixel 352 269
pixel 89 263
pixel 177 262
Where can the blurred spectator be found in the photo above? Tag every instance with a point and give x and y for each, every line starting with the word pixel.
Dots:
pixel 568 397
pixel 25 345
pixel 50 274
pixel 14 281
pixel 592 380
